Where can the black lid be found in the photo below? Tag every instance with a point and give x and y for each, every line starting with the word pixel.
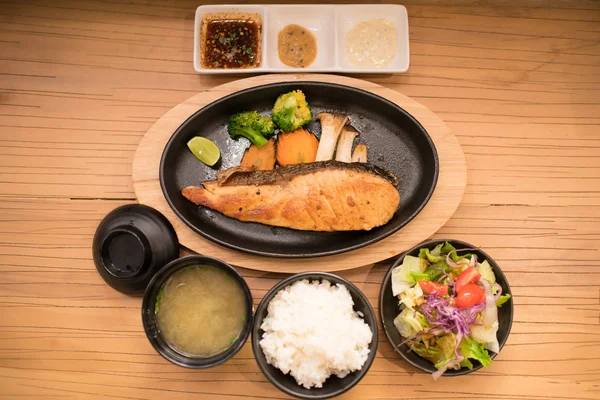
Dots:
pixel 131 244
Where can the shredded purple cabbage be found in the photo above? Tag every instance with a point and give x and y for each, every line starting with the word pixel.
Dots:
pixel 442 315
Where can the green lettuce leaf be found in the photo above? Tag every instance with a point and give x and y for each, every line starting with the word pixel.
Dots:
pixel 440 364
pixel 447 343
pixel 470 348
pixel 431 353
pixel 401 279
pixel 466 363
pixel 437 270
pixel 502 299
pixel 485 269
pixel 408 323
pixel 437 250
pixel 439 354
pixel 447 248
pixel 426 254
pixel 434 274
pixel 420 276
pixel 457 259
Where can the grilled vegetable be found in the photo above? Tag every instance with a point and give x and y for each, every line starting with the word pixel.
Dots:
pixel 262 158
pixel 251 125
pixel 344 146
pixel 331 126
pixel 360 153
pixel 296 147
pixel 291 111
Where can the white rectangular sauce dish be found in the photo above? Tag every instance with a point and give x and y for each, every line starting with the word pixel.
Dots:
pixel 330 25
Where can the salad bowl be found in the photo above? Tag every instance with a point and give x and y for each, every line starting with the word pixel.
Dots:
pixel 389 306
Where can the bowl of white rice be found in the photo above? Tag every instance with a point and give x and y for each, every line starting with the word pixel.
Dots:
pixel 314 335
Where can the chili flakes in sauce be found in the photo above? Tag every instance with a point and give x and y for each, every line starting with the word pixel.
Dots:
pixel 231 44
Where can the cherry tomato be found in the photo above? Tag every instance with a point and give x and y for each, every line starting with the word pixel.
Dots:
pixel 430 287
pixel 469 275
pixel 469 295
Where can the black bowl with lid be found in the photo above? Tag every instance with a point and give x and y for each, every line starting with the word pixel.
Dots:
pixel 150 322
pixel 131 244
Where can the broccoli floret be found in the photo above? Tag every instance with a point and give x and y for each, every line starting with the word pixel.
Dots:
pixel 252 126
pixel 291 111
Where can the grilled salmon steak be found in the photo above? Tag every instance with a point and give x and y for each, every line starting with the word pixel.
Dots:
pixel 320 196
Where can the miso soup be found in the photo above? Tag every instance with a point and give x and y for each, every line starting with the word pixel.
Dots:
pixel 201 310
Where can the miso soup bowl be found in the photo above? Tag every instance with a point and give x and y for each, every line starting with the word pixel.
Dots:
pixel 149 316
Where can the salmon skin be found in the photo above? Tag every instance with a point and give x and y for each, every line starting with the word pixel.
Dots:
pixel 320 196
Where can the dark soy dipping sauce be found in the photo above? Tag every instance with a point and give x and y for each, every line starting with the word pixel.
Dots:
pixel 231 44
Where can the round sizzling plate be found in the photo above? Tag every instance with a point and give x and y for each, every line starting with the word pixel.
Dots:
pixel 395 141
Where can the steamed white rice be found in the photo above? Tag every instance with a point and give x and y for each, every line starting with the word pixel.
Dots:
pixel 311 332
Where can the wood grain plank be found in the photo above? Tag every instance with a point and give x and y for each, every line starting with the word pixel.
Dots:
pixel 81 82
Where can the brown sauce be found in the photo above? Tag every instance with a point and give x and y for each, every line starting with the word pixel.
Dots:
pixel 231 43
pixel 297 46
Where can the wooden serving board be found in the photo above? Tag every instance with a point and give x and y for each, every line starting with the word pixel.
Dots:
pixel 444 202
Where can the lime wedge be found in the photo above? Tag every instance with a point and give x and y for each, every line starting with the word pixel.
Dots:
pixel 204 150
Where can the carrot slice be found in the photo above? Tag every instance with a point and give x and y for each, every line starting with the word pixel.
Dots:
pixel 296 147
pixel 260 157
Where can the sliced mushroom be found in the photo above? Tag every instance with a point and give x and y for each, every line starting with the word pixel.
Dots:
pixel 331 126
pixel 360 153
pixel 344 146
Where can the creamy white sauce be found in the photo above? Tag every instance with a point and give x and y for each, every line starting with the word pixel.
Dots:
pixel 372 43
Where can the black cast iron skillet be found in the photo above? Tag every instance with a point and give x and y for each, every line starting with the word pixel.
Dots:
pixel 395 141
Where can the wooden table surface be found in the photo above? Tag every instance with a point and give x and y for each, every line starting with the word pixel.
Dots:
pixel 80 83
